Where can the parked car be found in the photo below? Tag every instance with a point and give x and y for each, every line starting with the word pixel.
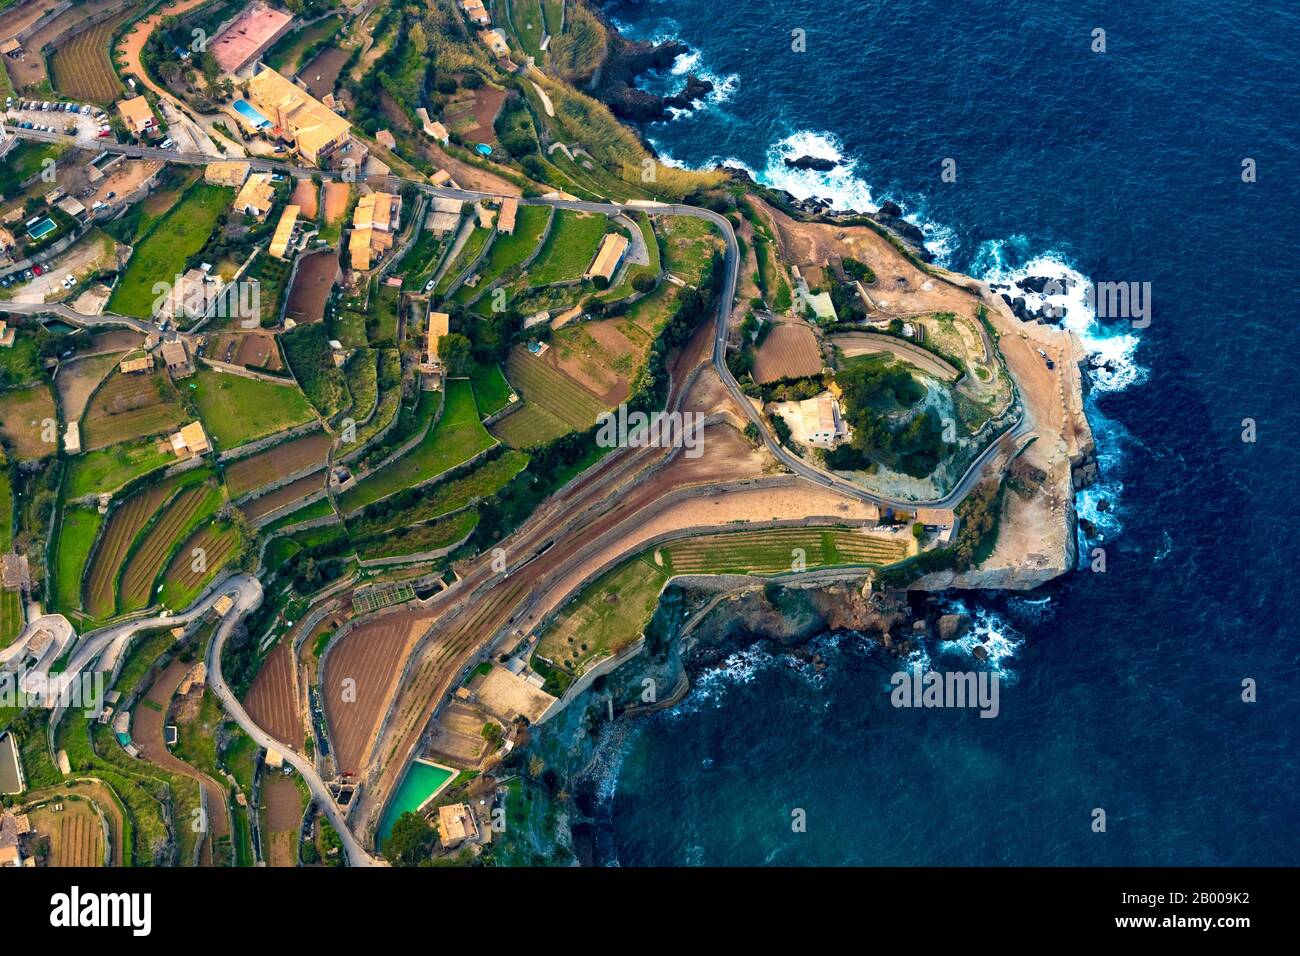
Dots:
pixel 39 270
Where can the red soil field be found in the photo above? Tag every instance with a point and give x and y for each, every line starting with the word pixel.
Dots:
pixel 267 503
pixel 271 701
pixel 789 351
pixel 312 284
pixel 115 539
pixel 370 656
pixel 265 467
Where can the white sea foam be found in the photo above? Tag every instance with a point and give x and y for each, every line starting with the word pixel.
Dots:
pixel 990 630
pixel 1114 346
pixel 842 187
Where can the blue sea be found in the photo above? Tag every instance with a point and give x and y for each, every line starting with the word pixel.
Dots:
pixel 1120 691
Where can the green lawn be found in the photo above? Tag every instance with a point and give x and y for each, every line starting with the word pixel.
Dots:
pixel 382 330
pixel 76 535
pixel 606 617
pixel 570 247
pixel 508 251
pixel 458 436
pixel 112 467
pixel 236 410
pixel 162 254
pixel 482 481
pixel 22 362
pixel 287 55
pixel 490 389
pixel 23 161
pixel 468 253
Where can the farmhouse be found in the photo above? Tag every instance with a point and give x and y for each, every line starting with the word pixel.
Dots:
pixel 142 363
pixel 506 219
pixel 432 128
pixel 284 232
pixel 386 139
pixel 374 221
pixel 313 128
pixel 257 196
pixel 456 824
pixel 821 422
pixel 444 215
pixel 191 297
pixel 137 114
pixel 72 439
pixel 191 441
pixel 612 249
pixel 475 11
pixel 7 335
pixel 439 325
pixel 496 42
pixel 226 174
pixel 177 359
pixel 249 36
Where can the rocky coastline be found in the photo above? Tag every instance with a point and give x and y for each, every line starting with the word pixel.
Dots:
pixel 695 629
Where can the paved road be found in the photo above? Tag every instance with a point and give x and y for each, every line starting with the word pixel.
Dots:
pixel 792 461
pixel 248 597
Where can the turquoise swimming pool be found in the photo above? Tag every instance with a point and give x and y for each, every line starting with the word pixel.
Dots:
pixel 423 781
pixel 42 228
pixel 249 112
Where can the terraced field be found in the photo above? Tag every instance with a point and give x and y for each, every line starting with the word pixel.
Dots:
pixel 110 468
pixel 248 474
pixel 151 554
pixel 80 67
pixel 77 533
pixel 182 582
pixel 390 370
pixel 554 404
pixel 570 247
pixel 457 437
pixel 76 837
pixel 776 551
pixel 606 617
pixel 115 540
pixel 508 251
pixel 130 406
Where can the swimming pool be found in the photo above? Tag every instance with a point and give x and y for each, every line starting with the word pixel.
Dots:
pixel 42 228
pixel 251 115
pixel 424 780
pixel 484 149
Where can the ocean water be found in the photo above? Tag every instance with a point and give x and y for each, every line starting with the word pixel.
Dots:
pixel 1120 690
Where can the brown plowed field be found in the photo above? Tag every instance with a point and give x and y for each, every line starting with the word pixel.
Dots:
pixel 130 406
pixel 249 349
pixel 147 732
pixel 80 66
pixel 306 197
pixel 252 472
pixel 271 701
pixel 76 837
pixel 372 656
pixel 313 281
pixel 788 351
pixel 291 492
pixel 115 540
pixel 148 559
pixel 284 806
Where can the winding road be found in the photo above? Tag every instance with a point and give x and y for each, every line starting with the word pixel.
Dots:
pixel 247 590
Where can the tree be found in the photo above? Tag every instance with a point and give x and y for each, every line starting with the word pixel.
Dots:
pixel 454 351
pixel 410 842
